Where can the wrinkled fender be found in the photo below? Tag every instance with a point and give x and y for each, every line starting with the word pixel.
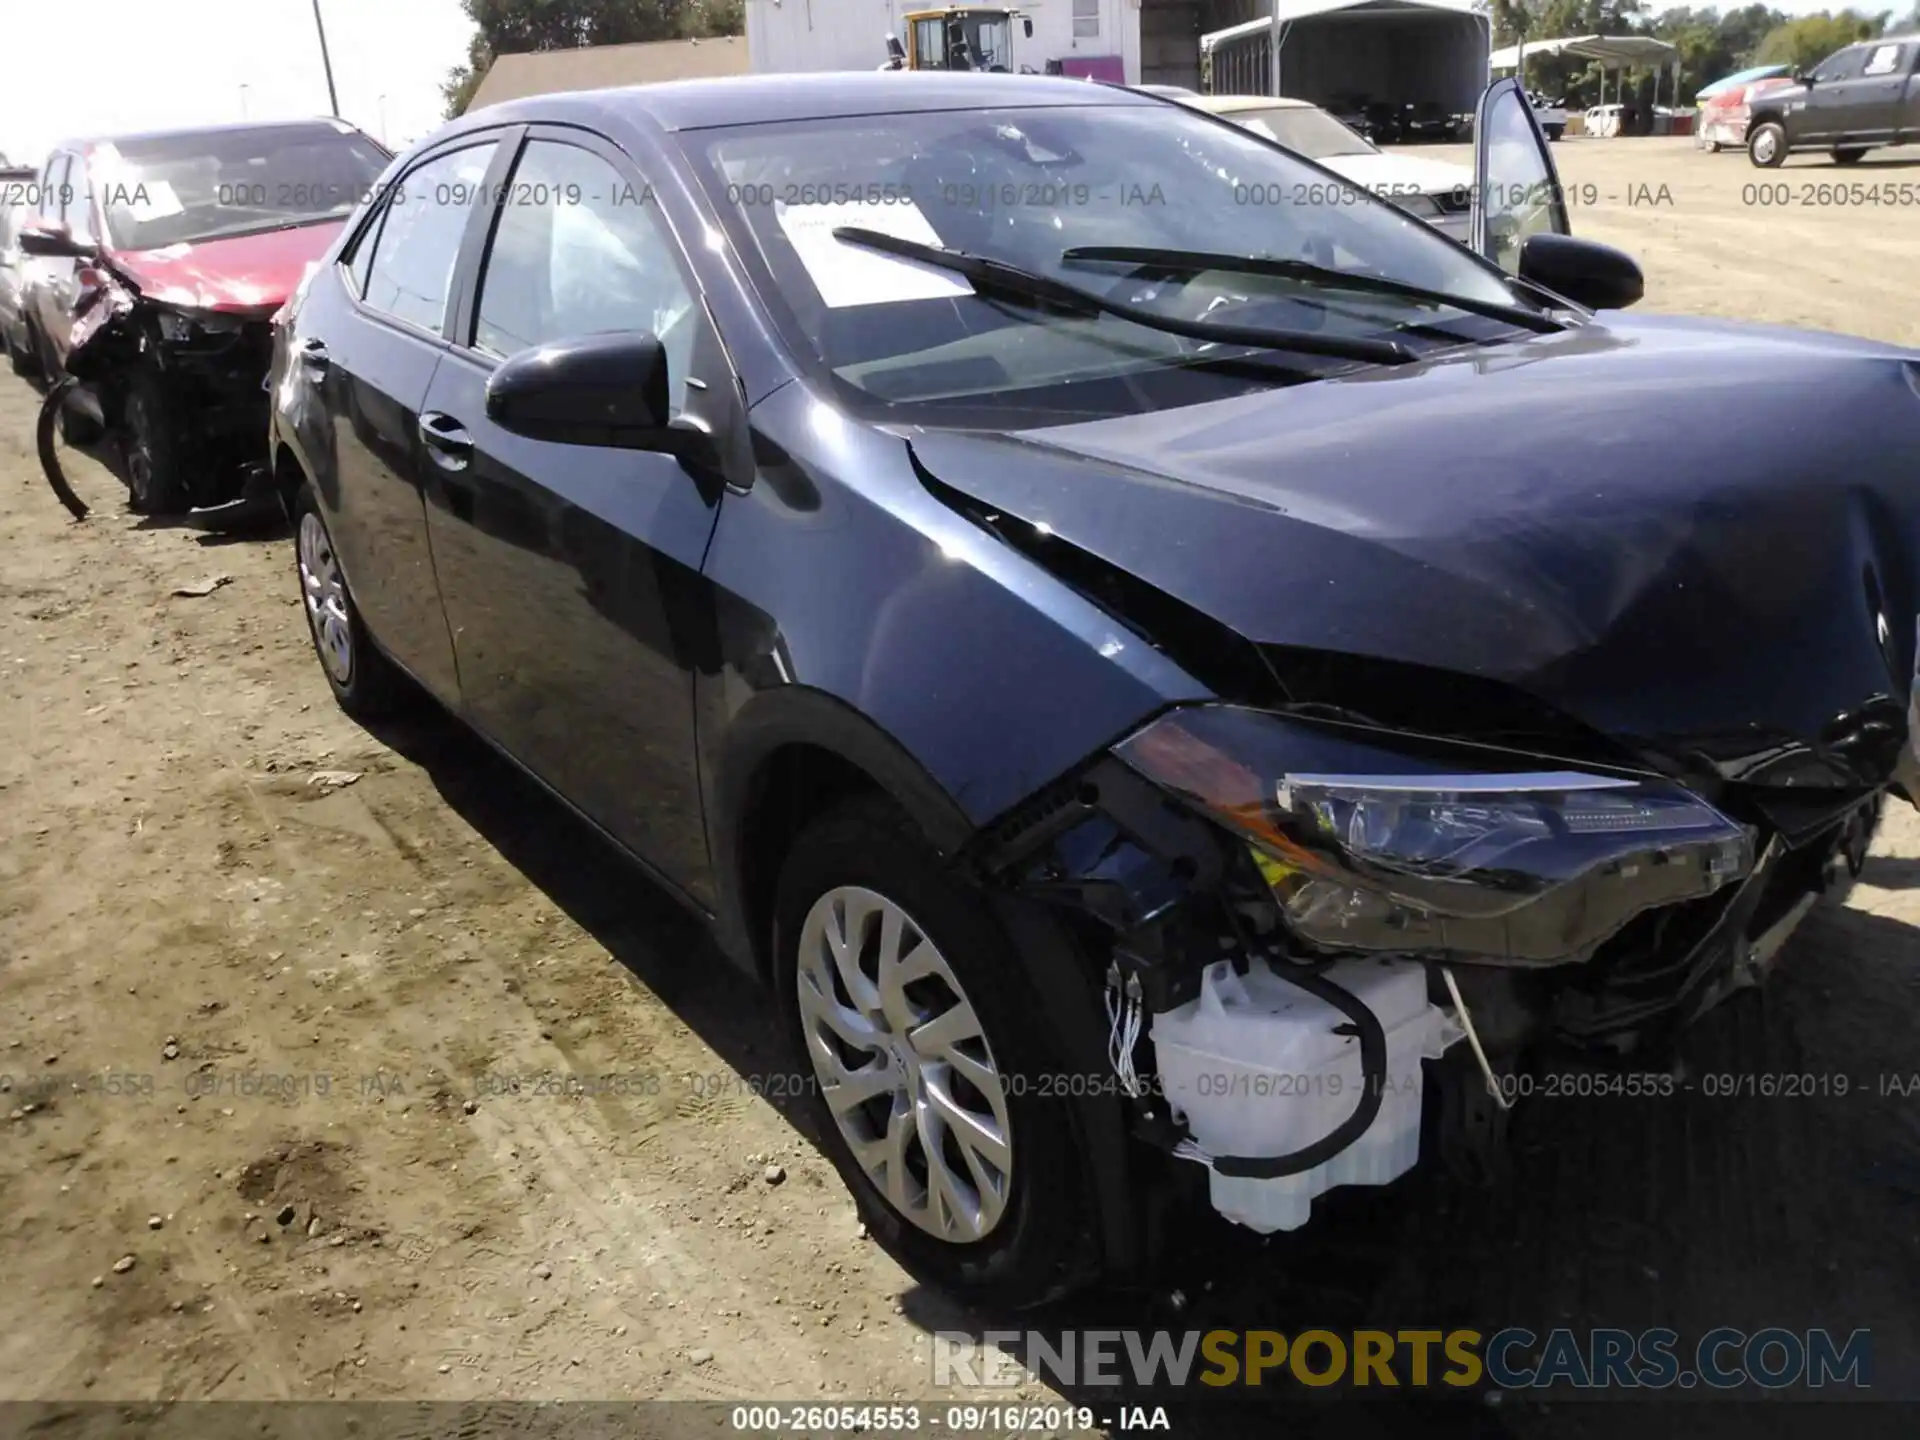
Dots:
pixel 953 672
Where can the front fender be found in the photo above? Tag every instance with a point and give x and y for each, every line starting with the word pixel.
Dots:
pixel 857 613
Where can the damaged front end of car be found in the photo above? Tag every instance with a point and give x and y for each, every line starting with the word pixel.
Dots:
pixel 138 362
pixel 1312 921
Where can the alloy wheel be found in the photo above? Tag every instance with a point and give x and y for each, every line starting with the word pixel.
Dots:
pixel 325 591
pixel 1763 147
pixel 904 1064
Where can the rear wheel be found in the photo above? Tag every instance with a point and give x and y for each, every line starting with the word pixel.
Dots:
pixel 1850 156
pixel 1767 146
pixel 932 1063
pixel 364 682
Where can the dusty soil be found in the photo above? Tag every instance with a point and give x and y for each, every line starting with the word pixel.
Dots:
pixel 255 1016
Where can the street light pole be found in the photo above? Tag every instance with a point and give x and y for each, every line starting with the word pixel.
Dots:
pixel 333 96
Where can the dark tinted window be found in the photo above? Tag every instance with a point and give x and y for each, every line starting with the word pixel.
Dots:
pixel 580 250
pixel 160 192
pixel 1842 64
pixel 419 241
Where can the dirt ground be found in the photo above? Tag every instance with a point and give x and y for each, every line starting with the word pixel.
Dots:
pixel 258 965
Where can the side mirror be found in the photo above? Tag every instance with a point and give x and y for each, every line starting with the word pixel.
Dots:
pixel 52 243
pixel 1028 25
pixel 895 50
pixel 608 390
pixel 1585 271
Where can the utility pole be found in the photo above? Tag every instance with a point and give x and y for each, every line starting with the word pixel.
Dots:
pixel 333 96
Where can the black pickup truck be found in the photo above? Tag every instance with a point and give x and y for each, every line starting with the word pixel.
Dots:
pixel 1859 97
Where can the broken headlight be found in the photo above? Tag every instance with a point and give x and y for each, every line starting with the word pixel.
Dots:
pixel 1380 842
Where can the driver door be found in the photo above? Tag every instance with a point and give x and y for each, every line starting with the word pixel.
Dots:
pixel 1516 190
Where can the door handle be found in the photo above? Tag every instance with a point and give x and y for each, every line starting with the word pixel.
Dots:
pixel 313 354
pixel 446 440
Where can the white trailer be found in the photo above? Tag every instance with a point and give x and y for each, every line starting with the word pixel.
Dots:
pixel 1334 52
pixel 805 35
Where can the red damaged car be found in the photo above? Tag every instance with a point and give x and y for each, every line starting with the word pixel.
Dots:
pixel 155 264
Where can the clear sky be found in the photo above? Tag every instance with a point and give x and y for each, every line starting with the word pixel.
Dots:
pixel 88 67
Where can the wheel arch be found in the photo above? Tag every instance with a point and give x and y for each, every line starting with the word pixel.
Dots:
pixel 790 755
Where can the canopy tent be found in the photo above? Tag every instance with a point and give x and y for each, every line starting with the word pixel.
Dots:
pixel 1609 52
pixel 1741 77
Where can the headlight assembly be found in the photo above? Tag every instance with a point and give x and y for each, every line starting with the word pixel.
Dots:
pixel 1424 849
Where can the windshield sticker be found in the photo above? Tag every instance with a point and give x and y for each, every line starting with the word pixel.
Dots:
pixel 152 200
pixel 848 275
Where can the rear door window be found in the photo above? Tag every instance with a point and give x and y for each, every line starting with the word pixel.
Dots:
pixel 410 276
pixel 1883 60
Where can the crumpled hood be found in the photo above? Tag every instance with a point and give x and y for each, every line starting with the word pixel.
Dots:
pixel 1697 538
pixel 242 273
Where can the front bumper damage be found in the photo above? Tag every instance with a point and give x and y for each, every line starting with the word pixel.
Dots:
pixel 206 364
pixel 1286 1072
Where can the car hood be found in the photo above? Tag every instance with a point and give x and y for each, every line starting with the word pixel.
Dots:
pixel 1402 174
pixel 1697 539
pixel 242 273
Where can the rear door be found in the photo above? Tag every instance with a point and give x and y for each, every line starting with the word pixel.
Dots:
pixel 570 573
pixel 1907 118
pixel 1516 190
pixel 369 347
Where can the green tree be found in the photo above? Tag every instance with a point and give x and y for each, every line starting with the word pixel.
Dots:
pixel 511 27
pixel 1807 41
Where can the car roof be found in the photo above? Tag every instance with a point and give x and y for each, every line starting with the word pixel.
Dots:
pixel 760 99
pixel 1232 104
pixel 243 127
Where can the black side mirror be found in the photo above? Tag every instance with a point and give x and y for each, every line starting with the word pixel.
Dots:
pixel 895 50
pixel 56 244
pixel 1584 271
pixel 608 390
pixel 1028 23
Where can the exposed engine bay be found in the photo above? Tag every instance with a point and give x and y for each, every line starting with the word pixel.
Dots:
pixel 1310 921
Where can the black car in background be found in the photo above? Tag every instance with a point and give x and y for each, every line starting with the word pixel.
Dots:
pixel 1012 620
pixel 1859 98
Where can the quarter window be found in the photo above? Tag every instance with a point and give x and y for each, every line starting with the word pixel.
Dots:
pixel 581 250
pixel 419 241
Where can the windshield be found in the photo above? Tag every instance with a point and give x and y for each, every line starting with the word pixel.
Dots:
pixel 1303 129
pixel 1022 186
pixel 179 188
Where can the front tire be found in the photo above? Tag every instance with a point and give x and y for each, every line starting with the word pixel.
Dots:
pixel 1767 145
pixel 155 459
pixel 364 682
pixel 936 1071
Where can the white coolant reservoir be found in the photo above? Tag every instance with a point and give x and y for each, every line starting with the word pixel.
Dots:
pixel 1257 1068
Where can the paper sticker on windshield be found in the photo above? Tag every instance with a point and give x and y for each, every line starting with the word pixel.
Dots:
pixel 848 275
pixel 149 200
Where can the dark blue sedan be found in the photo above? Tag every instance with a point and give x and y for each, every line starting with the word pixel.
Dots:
pixel 1166 664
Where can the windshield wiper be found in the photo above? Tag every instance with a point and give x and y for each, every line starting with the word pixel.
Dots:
pixel 998 275
pixel 1194 262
